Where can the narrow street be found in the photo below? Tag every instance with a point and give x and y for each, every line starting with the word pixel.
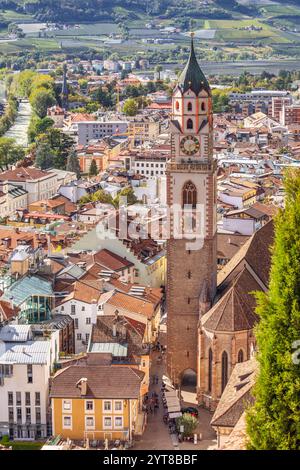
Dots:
pixel 156 435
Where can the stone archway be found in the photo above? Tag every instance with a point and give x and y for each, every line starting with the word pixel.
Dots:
pixel 188 380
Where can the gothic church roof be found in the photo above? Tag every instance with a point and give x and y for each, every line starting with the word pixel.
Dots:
pixel 234 311
pixel 247 272
pixel 236 395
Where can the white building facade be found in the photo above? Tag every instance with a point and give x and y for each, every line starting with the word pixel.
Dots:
pixel 25 368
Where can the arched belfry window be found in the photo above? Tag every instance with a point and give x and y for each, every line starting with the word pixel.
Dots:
pixel 177 105
pixel 202 106
pixel 189 194
pixel 224 369
pixel 189 106
pixel 240 356
pixel 210 369
pixel 189 124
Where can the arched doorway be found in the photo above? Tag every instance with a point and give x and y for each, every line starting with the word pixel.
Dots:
pixel 189 380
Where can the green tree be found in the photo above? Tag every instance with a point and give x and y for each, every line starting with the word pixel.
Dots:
pixel 93 171
pixel 22 82
pixel 38 126
pixel 83 84
pixel 130 107
pixel 101 196
pixel 73 163
pixel 10 152
pixel 220 100
pixel 189 423
pixel 60 144
pixel 158 69
pixel 98 196
pixel 44 156
pixel 127 193
pixel 41 99
pixel 273 423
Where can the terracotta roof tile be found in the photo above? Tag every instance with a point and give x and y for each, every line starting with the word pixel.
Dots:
pixel 23 174
pixel 132 304
pixel 111 260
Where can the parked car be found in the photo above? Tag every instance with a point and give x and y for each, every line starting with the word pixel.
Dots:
pixel 191 410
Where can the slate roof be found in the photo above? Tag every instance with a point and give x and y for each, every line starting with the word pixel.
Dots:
pixel 234 311
pixel 237 439
pixel 192 76
pixel 256 253
pixel 102 382
pixel 237 394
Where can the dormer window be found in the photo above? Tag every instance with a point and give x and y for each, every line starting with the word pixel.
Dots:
pixel 189 106
pixel 189 124
pixel 177 105
pixel 202 106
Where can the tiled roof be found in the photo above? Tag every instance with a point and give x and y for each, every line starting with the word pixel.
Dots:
pixel 127 331
pixel 132 304
pixel 7 310
pixel 268 209
pixel 111 260
pixel 102 382
pixel 151 294
pixel 235 309
pixel 229 244
pixel 237 394
pixel 22 174
pixel 83 292
pixel 237 439
pixel 256 252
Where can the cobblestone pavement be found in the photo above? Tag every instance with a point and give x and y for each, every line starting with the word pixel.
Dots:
pixel 157 436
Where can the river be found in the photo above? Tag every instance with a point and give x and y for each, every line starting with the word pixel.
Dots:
pixel 18 130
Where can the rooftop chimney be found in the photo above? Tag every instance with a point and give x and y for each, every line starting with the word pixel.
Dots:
pixel 82 385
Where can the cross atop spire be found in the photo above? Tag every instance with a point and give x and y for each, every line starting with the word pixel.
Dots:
pixel 192 76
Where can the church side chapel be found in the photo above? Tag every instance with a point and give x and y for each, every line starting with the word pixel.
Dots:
pixel 210 317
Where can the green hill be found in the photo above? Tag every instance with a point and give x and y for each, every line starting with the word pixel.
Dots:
pixel 121 11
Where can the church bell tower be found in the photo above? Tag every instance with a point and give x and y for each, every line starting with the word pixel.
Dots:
pixel 191 183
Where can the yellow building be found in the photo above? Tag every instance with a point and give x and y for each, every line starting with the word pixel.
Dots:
pixel 96 402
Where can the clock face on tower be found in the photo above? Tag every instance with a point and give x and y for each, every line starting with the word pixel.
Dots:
pixel 190 145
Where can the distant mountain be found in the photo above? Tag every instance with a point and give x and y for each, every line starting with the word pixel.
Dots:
pixel 122 10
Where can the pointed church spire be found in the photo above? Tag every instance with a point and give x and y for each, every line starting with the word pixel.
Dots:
pixel 64 90
pixel 192 76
